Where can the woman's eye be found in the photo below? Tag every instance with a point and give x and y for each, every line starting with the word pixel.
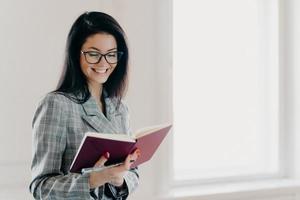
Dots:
pixel 93 54
pixel 112 55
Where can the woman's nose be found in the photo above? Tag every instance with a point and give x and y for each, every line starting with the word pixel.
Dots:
pixel 103 62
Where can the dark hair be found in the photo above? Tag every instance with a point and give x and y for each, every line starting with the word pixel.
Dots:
pixel 73 83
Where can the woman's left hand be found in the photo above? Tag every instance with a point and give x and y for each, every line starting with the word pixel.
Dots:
pixel 116 174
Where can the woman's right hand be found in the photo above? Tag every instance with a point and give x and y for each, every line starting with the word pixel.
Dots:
pixel 99 178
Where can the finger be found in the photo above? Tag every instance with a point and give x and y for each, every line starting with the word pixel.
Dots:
pixel 123 167
pixel 137 153
pixel 102 160
pixel 130 159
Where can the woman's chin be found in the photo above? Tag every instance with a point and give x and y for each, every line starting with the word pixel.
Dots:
pixel 101 81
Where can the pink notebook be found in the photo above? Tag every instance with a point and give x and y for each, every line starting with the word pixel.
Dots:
pixel 94 145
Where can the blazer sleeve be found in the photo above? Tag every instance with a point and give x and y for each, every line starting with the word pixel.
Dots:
pixel 49 142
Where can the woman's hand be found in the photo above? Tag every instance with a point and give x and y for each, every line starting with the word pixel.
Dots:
pixel 114 175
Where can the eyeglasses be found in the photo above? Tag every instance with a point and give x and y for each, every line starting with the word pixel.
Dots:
pixel 94 57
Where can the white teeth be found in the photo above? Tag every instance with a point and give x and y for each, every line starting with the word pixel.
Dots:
pixel 102 71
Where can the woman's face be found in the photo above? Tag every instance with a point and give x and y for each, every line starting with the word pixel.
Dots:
pixel 105 44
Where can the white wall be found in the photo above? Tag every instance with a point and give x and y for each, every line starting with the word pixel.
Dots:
pixel 42 26
pixel 290 65
pixel 32 38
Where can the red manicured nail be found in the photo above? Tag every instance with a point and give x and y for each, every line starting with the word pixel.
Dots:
pixel 106 155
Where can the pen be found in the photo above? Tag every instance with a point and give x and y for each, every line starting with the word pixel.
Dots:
pixel 98 169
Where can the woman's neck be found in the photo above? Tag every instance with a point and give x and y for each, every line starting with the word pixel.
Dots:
pixel 96 90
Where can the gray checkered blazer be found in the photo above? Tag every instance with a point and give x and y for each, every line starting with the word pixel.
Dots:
pixel 58 128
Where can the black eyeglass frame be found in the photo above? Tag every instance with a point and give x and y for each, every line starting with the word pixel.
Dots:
pixel 119 55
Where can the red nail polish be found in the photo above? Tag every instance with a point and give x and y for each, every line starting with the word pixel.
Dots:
pixel 106 155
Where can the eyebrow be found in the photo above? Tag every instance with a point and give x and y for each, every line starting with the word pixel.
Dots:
pixel 100 51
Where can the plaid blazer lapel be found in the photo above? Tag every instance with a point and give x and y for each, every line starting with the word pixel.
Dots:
pixel 96 119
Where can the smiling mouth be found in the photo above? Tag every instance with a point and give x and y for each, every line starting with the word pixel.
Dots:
pixel 100 71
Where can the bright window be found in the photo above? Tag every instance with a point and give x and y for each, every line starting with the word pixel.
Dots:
pixel 225 88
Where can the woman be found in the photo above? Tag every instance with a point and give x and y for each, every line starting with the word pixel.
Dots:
pixel 88 98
